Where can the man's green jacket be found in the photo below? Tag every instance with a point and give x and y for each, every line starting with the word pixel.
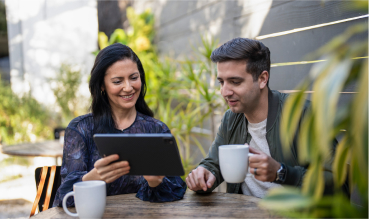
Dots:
pixel 233 130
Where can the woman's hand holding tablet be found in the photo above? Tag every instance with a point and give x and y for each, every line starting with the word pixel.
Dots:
pixel 106 170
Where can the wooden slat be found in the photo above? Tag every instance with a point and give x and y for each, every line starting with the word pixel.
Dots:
pixel 288 77
pixel 344 99
pixel 294 47
pixel 297 14
pixel 301 29
pixel 39 190
pixel 49 188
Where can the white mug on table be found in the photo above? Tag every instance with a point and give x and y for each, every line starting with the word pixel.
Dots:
pixel 234 162
pixel 89 199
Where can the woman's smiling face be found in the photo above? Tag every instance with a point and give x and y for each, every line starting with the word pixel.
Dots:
pixel 122 84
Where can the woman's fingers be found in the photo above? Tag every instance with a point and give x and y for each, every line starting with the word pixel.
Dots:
pixel 110 170
pixel 106 160
pixel 114 177
pixel 115 174
pixel 111 167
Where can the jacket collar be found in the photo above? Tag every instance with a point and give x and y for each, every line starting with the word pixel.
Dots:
pixel 273 108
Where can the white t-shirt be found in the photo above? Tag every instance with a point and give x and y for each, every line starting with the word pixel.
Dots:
pixel 252 186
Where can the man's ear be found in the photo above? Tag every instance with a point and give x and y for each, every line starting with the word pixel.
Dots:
pixel 263 79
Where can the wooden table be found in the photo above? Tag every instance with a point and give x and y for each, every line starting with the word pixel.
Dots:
pixel 42 149
pixel 213 205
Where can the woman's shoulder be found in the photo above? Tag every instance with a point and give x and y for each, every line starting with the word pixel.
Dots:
pixel 149 121
pixel 84 122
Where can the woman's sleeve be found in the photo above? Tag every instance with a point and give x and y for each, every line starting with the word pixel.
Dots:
pixel 171 189
pixel 74 166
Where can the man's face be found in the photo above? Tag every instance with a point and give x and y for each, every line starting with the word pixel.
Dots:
pixel 238 87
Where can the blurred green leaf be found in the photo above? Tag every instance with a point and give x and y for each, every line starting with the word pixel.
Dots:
pixel 285 198
pixel 313 184
pixel 118 36
pixel 293 110
pixel 359 131
pixel 307 139
pixel 340 162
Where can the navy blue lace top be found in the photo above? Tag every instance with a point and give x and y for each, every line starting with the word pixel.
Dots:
pixel 80 154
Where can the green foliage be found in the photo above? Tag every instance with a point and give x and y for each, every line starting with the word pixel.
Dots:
pixel 140 35
pixel 199 76
pixel 67 82
pixel 15 160
pixel 322 123
pixel 22 119
pixel 181 94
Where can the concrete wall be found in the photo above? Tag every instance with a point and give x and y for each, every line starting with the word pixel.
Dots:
pixel 44 34
pixel 179 24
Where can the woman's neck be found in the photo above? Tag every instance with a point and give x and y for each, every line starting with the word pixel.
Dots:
pixel 124 118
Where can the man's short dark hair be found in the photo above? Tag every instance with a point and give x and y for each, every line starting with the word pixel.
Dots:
pixel 256 55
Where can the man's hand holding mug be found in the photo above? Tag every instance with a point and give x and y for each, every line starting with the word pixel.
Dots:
pixel 263 167
pixel 235 162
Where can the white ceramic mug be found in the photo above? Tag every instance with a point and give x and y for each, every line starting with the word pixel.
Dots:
pixel 89 199
pixel 234 162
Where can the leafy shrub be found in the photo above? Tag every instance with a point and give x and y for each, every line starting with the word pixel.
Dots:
pixel 22 119
pixel 66 85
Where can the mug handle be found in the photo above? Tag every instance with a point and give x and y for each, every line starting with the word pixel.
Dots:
pixel 248 173
pixel 65 205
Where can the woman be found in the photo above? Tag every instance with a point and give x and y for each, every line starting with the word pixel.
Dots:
pixel 118 88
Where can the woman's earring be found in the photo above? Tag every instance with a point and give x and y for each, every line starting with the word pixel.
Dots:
pixel 102 93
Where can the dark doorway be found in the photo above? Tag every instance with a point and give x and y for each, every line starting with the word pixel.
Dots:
pixel 4 48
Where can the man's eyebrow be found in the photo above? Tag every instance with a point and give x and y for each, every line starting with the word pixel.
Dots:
pixel 231 78
pixel 235 78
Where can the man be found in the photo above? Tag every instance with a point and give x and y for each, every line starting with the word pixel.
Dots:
pixel 254 117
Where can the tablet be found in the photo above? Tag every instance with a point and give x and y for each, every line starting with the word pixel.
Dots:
pixel 147 154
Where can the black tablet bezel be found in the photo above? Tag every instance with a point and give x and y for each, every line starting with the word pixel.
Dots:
pixel 148 154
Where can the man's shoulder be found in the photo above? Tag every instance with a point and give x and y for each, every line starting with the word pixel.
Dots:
pixel 283 97
pixel 229 117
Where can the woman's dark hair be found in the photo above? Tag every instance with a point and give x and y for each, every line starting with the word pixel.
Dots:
pixel 256 55
pixel 100 107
